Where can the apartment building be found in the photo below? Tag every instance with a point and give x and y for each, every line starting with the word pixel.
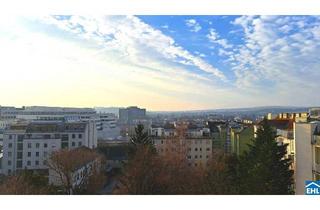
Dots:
pixel 307 152
pixel 130 114
pixel 192 142
pixel 240 138
pixel 28 145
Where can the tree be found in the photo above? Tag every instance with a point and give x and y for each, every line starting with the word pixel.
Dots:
pixel 221 175
pixel 26 183
pixel 149 173
pixel 64 165
pixel 141 138
pixel 264 169
pixel 142 174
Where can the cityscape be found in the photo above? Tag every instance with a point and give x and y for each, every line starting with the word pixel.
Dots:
pixel 160 105
pixel 30 136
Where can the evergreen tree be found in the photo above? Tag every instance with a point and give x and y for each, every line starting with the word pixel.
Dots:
pixel 264 168
pixel 141 138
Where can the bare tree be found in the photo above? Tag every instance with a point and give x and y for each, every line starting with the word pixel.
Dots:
pixel 25 183
pixel 66 166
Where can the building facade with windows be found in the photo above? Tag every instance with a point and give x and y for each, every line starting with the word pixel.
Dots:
pixel 28 145
pixel 130 114
pixel 191 142
pixel 307 145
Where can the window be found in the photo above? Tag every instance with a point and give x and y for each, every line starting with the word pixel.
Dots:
pixel 37 154
pixel 19 155
pixel 20 138
pixel 196 157
pixel 73 136
pixel 208 149
pixel 10 145
pixel 73 144
pixel 195 164
pixel 196 149
pixel 37 145
pixel 9 162
pixel 189 149
pixel 9 154
pixel 189 156
pixel 29 154
pixel 20 146
pixel 161 141
pixel 200 156
pixel 10 136
pixel 37 162
pixel 19 164
pixel 29 145
pixel 200 149
pixel 28 163
pixel 45 154
pixel 80 136
pixel 207 156
pixel 45 145
pixel 79 143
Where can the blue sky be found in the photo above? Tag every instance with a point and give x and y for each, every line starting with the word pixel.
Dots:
pixel 161 62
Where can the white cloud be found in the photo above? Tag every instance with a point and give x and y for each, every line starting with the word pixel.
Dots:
pixel 275 58
pixel 134 40
pixel 194 25
pixel 214 37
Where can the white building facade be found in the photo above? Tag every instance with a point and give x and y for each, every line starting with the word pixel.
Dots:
pixel 28 145
pixel 307 146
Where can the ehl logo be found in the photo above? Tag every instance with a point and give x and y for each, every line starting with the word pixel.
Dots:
pixel 312 188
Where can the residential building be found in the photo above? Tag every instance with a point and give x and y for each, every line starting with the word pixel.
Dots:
pixel 240 138
pixel 80 172
pixel 315 113
pixel 307 147
pixel 218 132
pixel 130 114
pixel 295 116
pixel 192 142
pixel 28 145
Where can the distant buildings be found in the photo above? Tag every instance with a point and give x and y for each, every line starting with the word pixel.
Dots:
pixel 131 114
pixel 28 145
pixel 315 113
pixel 307 138
pixel 107 126
pixel 42 113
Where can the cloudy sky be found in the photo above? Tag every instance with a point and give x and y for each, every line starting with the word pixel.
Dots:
pixel 160 62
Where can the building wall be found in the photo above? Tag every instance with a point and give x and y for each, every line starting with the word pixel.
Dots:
pixel 198 151
pixel 303 153
pixel 21 151
pixel 240 138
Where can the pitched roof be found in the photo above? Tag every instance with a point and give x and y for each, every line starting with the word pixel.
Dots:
pixel 282 124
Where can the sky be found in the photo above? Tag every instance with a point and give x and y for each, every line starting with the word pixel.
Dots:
pixel 162 63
